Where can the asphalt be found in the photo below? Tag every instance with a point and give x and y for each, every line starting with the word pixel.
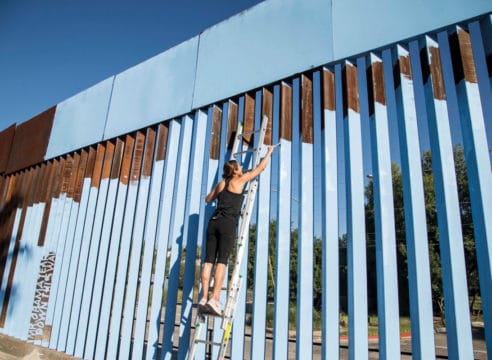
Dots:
pixel 12 348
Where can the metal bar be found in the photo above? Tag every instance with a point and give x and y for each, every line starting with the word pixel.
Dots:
pixel 386 266
pixel 330 262
pixel 415 222
pixel 356 242
pixel 458 326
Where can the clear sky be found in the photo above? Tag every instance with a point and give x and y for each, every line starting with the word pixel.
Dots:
pixel 51 50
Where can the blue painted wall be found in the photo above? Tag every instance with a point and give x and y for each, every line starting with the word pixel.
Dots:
pixel 271 41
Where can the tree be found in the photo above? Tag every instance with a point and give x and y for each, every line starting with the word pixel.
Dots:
pixel 432 230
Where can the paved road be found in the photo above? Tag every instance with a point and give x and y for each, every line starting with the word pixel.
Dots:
pixel 11 349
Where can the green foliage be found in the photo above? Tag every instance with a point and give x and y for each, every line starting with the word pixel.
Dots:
pixel 432 232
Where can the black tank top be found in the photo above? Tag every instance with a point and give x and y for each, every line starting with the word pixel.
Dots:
pixel 228 204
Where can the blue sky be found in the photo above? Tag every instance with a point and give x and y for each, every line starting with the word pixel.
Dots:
pixel 51 50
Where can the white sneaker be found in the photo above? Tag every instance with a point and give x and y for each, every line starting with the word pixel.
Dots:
pixel 214 307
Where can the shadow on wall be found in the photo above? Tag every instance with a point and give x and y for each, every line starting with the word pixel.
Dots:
pixel 176 281
pixel 7 214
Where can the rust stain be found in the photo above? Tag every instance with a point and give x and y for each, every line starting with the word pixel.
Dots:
pixel 286 112
pixel 67 173
pixel 73 175
pixel 329 90
pixel 149 152
pixel 267 109
pixel 31 141
pixel 91 162
pixel 137 157
pixel 249 119
pixel 467 56
pixel 231 124
pixel 79 180
pixel 58 164
pixel 124 160
pixel 375 86
pixel 404 66
pixel 436 72
pixel 117 158
pixel 307 110
pixel 48 200
pixel 216 128
pixel 163 131
pixel 108 159
pixel 350 89
pixel 98 165
pixel 378 83
pixel 6 140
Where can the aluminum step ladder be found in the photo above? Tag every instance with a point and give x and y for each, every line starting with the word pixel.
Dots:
pixel 237 277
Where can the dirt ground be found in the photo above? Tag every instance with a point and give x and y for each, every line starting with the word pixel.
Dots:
pixel 12 349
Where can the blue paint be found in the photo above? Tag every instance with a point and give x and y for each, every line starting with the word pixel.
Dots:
pixel 458 326
pixel 79 121
pixel 386 266
pixel 282 265
pixel 356 242
pixel 415 222
pixel 144 229
pixel 155 90
pixel 330 264
pixel 90 269
pixel 382 22
pixel 176 234
pixel 64 272
pixel 81 269
pixel 8 262
pixel 267 31
pixel 165 208
pixel 479 179
pixel 191 229
pixel 72 270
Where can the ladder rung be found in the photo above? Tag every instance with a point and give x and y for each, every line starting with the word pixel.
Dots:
pixel 245 151
pixel 244 133
pixel 208 342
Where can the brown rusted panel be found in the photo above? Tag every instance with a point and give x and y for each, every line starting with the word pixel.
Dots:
pixel 73 175
pixel 286 112
pixel 91 162
pixel 47 208
pixel 31 141
pixel 138 156
pixel 329 90
pixel 307 109
pixel 79 179
pixel 249 119
pixel 120 151
pixel 149 152
pixel 6 140
pixel 350 89
pixel 123 165
pixel 7 215
pixel 98 164
pixel 436 72
pixel 67 173
pixel 163 131
pixel 467 56
pixel 231 124
pixel 267 109
pixel 108 159
pixel 58 177
pixel 216 128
